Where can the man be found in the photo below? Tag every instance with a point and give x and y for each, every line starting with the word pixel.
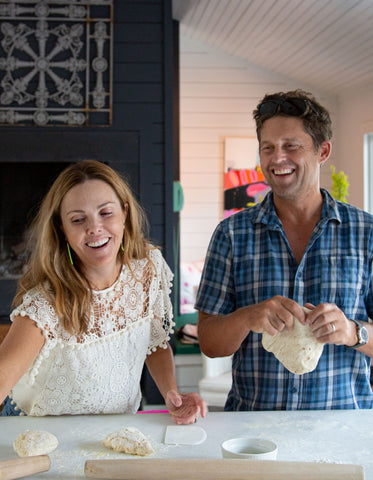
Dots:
pixel 299 247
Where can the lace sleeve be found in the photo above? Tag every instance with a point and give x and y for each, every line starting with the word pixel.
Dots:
pixel 38 308
pixel 160 302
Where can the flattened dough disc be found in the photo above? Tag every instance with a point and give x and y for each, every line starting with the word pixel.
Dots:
pixel 185 435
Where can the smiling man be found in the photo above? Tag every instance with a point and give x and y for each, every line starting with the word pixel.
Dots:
pixel 298 248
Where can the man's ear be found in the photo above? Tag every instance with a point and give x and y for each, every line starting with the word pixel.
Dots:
pixel 324 151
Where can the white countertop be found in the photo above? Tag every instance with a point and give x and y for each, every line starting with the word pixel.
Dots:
pixel 335 436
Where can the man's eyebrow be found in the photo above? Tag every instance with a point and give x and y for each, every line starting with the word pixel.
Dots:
pixel 289 139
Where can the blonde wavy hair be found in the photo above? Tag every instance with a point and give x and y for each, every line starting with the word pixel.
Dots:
pixel 49 266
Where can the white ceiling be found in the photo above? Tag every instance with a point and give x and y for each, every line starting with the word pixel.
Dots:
pixel 327 44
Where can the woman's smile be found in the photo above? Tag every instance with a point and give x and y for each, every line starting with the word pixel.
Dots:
pixel 98 243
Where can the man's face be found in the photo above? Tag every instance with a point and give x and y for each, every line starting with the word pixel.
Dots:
pixel 288 159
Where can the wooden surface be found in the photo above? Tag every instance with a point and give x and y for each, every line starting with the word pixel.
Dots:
pixel 218 469
pixel 22 467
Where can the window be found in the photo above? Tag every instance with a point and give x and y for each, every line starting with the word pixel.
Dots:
pixel 368 172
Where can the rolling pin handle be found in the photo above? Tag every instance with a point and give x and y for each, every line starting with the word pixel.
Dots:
pixel 22 467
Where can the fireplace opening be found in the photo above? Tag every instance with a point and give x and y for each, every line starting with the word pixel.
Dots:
pixel 23 185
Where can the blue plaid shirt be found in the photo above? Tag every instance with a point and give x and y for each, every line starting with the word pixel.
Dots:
pixel 249 260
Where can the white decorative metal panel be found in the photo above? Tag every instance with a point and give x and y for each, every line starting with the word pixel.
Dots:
pixel 56 62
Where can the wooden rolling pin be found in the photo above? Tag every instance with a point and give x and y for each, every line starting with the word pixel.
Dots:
pixel 218 469
pixel 22 467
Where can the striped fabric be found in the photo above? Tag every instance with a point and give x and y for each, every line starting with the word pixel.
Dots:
pixel 249 260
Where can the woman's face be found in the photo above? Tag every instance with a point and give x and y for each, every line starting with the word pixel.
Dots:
pixel 93 223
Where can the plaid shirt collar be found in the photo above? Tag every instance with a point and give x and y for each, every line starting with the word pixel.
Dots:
pixel 266 213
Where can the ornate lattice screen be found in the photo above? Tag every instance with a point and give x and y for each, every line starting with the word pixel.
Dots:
pixel 56 62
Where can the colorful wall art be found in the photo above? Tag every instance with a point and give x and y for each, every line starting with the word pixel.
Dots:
pixel 243 188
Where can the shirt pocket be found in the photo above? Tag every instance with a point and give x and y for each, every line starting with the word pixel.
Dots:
pixel 342 281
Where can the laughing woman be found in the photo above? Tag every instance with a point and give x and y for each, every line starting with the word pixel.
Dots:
pixel 92 307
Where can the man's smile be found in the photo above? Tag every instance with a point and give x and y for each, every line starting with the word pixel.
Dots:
pixel 283 171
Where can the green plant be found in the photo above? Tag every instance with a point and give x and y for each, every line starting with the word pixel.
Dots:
pixel 340 185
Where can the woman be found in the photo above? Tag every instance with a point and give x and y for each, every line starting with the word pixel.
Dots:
pixel 91 308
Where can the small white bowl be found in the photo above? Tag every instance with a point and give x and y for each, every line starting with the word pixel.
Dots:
pixel 250 448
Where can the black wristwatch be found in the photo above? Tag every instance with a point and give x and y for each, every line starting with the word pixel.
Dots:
pixel 362 335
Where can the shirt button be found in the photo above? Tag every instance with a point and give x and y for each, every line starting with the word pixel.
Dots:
pixel 293 390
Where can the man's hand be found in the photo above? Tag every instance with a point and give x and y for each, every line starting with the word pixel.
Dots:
pixel 274 315
pixel 330 325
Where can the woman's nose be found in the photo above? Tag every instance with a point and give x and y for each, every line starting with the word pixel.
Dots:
pixel 93 226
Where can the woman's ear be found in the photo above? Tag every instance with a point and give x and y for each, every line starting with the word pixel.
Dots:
pixel 125 210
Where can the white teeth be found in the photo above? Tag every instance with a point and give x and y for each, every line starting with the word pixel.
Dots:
pixel 99 243
pixel 283 172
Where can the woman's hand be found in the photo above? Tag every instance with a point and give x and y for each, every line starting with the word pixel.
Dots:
pixel 185 408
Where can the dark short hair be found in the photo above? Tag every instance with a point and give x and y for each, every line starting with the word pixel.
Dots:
pixel 316 120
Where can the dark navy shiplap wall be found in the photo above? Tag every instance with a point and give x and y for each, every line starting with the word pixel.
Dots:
pixel 145 82
pixel 143 102
pixel 140 142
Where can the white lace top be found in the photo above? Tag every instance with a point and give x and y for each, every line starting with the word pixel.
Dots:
pixel 98 372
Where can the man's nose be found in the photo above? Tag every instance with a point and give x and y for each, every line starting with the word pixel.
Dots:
pixel 279 153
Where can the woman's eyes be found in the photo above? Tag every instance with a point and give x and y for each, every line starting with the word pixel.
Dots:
pixel 105 213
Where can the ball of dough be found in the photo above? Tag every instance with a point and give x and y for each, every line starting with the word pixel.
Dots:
pixel 297 349
pixel 35 442
pixel 129 440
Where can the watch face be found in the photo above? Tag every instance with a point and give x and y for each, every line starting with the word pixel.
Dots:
pixel 364 336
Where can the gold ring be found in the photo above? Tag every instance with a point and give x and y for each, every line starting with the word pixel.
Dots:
pixel 333 326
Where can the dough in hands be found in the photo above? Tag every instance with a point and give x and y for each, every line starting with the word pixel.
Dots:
pixel 129 440
pixel 35 442
pixel 297 349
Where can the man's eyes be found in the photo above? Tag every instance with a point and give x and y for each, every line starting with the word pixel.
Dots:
pixel 288 146
pixel 265 148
